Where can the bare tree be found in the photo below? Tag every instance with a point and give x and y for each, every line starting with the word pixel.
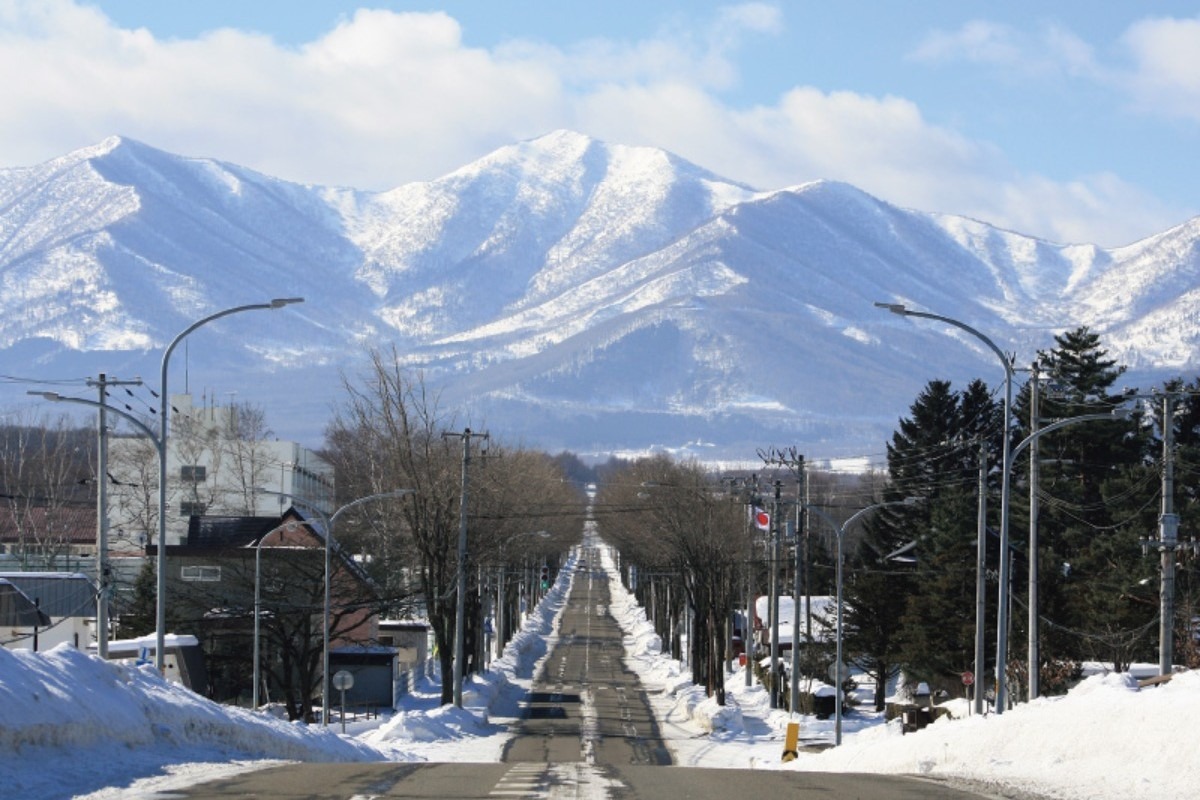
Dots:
pixel 692 533
pixel 244 444
pixel 46 486
pixel 524 511
pixel 387 435
pixel 133 469
pixel 224 459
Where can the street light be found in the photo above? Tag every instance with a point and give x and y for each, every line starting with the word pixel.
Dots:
pixel 289 525
pixel 160 614
pixel 330 520
pixel 1033 657
pixel 101 542
pixel 840 530
pixel 1005 475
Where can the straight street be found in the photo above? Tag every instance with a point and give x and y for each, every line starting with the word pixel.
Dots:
pixel 586 705
pixel 587 732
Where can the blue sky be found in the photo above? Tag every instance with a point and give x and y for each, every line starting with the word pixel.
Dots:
pixel 1076 121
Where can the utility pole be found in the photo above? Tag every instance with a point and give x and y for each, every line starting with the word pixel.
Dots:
pixel 794 461
pixel 774 612
pixel 460 611
pixel 798 584
pixel 747 490
pixel 752 501
pixel 1034 666
pixel 980 583
pixel 103 572
pixel 1168 542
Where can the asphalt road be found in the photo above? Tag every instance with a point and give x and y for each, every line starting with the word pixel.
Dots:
pixel 586 706
pixel 588 732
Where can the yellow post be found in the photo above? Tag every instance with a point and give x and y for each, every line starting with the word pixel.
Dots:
pixel 792 742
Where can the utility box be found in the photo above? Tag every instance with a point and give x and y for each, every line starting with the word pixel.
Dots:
pixel 914 719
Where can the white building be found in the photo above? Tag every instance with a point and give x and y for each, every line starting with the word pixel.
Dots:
pixel 218 460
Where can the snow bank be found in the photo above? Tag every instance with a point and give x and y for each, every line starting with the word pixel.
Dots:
pixel 1091 742
pixel 107 715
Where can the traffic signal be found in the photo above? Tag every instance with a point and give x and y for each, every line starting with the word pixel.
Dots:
pixel 545 577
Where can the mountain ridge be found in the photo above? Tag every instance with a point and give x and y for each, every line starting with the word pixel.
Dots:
pixel 572 293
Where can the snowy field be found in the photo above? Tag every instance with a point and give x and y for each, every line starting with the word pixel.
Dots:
pixel 72 725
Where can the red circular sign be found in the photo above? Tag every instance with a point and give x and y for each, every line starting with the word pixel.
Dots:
pixel 968 678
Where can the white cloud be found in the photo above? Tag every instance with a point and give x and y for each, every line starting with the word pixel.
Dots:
pixel 385 98
pixel 977 40
pixel 1048 50
pixel 1165 77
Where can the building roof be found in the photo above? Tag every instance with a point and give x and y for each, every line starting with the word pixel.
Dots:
pixel 17 610
pixel 58 594
pixel 216 533
pixel 69 523
pixel 222 533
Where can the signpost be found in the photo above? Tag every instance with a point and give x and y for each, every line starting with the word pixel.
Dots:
pixel 968 679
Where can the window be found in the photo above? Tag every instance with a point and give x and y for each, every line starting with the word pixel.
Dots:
pixel 189 508
pixel 205 574
pixel 192 473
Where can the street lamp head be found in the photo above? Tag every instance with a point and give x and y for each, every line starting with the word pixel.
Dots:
pixel 45 395
pixel 895 308
pixel 280 302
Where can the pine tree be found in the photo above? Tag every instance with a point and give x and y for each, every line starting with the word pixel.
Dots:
pixel 917 617
pixel 1187 505
pixel 139 618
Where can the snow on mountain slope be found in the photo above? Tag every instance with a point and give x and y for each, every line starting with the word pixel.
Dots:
pixel 116 247
pixel 520 227
pixel 563 291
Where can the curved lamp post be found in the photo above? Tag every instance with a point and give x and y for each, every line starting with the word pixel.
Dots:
pixel 290 525
pixel 1005 474
pixel 160 614
pixel 841 534
pixel 1033 655
pixel 329 521
pixel 102 544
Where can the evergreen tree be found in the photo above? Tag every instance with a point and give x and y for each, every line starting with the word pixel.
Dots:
pixel 939 620
pixel 1187 506
pixel 898 614
pixel 139 618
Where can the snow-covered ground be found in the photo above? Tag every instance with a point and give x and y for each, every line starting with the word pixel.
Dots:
pixel 71 725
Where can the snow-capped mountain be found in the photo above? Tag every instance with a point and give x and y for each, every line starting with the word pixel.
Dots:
pixel 562 292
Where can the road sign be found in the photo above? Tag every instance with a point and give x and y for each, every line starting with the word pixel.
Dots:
pixel 343 680
pixel 968 678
